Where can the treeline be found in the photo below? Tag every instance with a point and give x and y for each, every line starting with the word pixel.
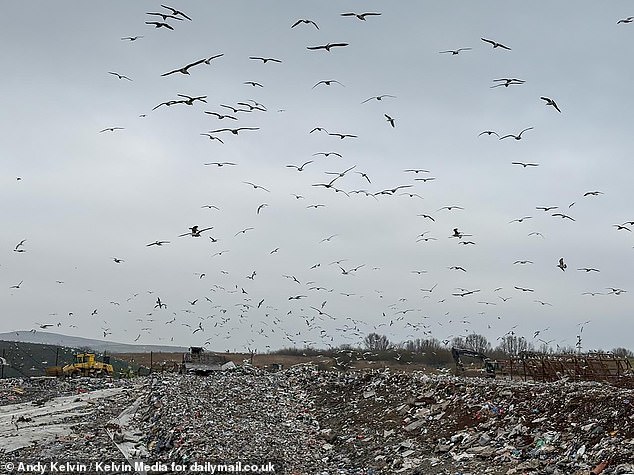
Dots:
pixel 433 352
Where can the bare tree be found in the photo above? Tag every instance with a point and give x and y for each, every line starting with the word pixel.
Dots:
pixel 376 342
pixel 420 346
pixel 513 345
pixel 458 342
pixel 477 342
pixel 623 352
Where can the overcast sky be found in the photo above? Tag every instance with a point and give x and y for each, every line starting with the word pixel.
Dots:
pixel 77 198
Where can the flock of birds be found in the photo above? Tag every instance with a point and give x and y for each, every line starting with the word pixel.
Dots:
pixel 268 324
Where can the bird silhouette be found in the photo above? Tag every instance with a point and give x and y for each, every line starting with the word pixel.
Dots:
pixel 255 187
pixel 184 69
pixel 243 231
pixel 562 216
pixel 306 22
pixel 212 137
pixel 211 58
pixel 300 168
pixel 506 82
pixel 327 47
pixel 361 16
pixel 495 44
pixel 378 98
pixel 176 12
pixel 157 243
pixel 516 137
pixel 489 132
pixel 265 60
pixel 160 24
pixel 233 131
pixel 328 82
pixel 165 16
pixel 454 52
pixel 220 164
pixel 221 116
pixel 342 136
pixel 120 76
pixel 550 102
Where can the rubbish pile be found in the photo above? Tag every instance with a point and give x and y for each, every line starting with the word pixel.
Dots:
pixel 40 389
pixel 45 419
pixel 307 421
pixel 414 423
pixel 246 415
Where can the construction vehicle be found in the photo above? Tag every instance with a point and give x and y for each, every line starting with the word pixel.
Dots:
pixel 200 362
pixel 85 364
pixel 490 366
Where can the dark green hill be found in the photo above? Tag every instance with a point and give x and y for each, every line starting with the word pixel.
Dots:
pixel 32 359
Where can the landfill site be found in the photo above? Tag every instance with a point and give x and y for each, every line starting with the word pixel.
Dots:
pixel 307 420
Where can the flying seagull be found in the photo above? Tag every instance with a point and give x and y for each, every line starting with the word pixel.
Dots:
pixel 159 24
pixel 265 60
pixel 19 245
pixel 550 102
pixel 165 16
pixel 378 98
pixel 308 22
pixel 16 286
pixel 176 12
pixel 220 164
pixel 233 131
pixel 208 60
pixel 299 168
pixel 157 243
pixel 213 137
pixel 495 44
pixel 120 76
pixel 506 82
pixel 516 137
pixel 184 69
pixel 255 187
pixel 327 154
pixel 328 82
pixel 361 16
pixel 327 47
pixel 221 116
pixel 455 51
pixel 489 132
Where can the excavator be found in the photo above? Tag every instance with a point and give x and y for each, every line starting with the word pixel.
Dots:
pixel 490 366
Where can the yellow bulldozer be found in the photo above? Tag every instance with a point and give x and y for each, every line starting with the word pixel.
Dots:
pixel 85 364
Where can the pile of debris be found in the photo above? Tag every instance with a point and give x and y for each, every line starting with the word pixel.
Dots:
pixel 414 423
pixel 51 419
pixel 307 421
pixel 245 415
pixel 41 389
